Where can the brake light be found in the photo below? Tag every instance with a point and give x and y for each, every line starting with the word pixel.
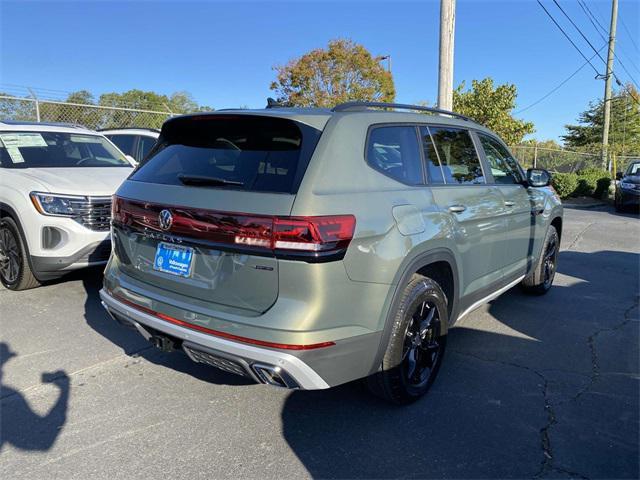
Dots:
pixel 317 236
pixel 313 234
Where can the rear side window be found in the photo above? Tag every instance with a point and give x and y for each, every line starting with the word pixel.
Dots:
pixel 144 146
pixel 395 152
pixel 123 142
pixel 256 153
pixel 457 155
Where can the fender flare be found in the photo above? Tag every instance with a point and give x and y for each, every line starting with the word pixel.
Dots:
pixel 417 263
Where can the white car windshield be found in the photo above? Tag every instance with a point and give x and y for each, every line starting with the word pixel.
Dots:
pixel 57 149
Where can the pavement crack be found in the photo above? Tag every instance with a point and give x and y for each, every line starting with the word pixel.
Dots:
pixel 579 236
pixel 591 342
pixel 546 465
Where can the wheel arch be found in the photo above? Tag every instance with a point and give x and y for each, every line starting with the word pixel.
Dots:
pixel 8 211
pixel 557 223
pixel 439 263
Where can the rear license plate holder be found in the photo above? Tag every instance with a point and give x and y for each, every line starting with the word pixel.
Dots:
pixel 173 259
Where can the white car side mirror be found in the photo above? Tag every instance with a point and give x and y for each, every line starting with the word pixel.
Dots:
pixel 132 160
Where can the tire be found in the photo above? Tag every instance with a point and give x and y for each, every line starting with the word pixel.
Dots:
pixel 416 347
pixel 618 205
pixel 15 271
pixel 539 281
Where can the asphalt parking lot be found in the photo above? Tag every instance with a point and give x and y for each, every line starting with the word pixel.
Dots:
pixel 531 387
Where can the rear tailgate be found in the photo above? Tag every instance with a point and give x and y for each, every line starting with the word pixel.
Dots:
pixel 218 181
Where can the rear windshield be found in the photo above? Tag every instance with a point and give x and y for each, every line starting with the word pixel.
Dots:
pixel 56 149
pixel 256 153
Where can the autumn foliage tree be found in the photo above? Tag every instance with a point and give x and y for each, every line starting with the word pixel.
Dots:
pixel 344 71
pixel 492 106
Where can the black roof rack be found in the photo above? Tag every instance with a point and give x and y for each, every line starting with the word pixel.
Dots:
pixel 130 128
pixel 355 106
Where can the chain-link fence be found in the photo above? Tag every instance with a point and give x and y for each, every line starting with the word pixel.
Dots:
pixel 564 161
pixel 90 116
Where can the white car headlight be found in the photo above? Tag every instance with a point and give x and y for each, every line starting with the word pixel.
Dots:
pixel 56 205
pixel 627 185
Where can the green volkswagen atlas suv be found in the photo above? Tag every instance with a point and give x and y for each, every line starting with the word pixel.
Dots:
pixel 306 248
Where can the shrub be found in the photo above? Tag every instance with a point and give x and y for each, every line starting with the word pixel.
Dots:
pixel 592 182
pixel 564 183
pixel 602 187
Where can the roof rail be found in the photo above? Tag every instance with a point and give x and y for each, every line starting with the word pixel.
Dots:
pixel 355 106
pixel 129 128
pixel 47 124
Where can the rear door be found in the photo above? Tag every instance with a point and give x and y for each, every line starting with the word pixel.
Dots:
pixel 520 225
pixel 475 208
pixel 196 216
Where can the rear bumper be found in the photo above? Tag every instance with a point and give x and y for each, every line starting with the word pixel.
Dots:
pixel 234 357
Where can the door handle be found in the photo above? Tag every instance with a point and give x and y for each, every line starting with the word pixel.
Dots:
pixel 457 208
pixel 509 204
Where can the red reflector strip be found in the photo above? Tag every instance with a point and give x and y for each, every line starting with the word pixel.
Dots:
pixel 217 333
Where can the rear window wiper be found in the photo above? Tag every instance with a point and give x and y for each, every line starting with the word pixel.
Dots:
pixel 204 180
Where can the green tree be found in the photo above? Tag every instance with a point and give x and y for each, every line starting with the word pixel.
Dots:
pixel 624 129
pixel 492 107
pixel 344 71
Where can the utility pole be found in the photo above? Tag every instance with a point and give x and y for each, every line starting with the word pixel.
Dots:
pixel 607 84
pixel 445 67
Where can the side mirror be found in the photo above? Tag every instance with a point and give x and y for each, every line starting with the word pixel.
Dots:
pixel 538 177
pixel 619 175
pixel 133 161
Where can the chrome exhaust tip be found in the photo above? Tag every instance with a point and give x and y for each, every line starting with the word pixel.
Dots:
pixel 275 376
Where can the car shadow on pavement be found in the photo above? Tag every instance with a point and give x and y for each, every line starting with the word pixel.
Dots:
pixel 498 406
pixel 20 425
pixel 133 344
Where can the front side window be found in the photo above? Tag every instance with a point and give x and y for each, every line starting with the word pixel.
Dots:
pixel 457 155
pixel 435 174
pixel 57 150
pixel 394 151
pixel 504 167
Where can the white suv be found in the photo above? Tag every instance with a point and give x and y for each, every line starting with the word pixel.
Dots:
pixel 56 183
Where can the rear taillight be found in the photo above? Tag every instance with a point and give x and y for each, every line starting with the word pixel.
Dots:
pixel 310 238
pixel 313 234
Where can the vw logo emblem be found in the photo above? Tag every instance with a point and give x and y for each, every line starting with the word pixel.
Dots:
pixel 165 219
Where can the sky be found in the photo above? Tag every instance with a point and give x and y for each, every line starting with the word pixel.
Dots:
pixel 223 53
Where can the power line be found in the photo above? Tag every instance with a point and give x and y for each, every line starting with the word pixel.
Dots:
pixel 594 48
pixel 557 87
pixel 624 25
pixel 584 5
pixel 578 29
pixel 598 75
pixel 591 19
pixel 568 38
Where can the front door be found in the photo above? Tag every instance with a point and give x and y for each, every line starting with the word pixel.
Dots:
pixel 474 208
pixel 520 225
